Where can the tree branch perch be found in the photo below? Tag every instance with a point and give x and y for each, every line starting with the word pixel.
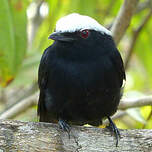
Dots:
pixel 47 137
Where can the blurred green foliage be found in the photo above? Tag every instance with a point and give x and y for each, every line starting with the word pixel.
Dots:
pixel 20 53
pixel 13 38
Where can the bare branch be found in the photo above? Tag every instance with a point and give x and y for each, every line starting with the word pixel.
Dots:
pixel 135 36
pixel 47 137
pixel 134 103
pixel 143 5
pixel 20 107
pixel 123 19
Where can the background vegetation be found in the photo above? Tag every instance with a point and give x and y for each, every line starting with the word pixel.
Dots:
pixel 24 29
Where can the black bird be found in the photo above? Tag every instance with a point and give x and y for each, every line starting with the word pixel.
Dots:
pixel 80 75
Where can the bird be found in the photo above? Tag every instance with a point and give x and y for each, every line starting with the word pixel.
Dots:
pixel 80 75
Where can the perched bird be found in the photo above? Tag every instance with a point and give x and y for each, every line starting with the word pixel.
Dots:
pixel 80 75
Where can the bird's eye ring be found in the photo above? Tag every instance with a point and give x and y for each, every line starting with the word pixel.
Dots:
pixel 84 34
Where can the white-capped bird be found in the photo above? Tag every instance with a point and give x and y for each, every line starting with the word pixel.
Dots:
pixel 80 75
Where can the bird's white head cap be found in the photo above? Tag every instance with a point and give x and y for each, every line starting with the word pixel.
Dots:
pixel 75 22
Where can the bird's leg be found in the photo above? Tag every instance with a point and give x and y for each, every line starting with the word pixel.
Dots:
pixel 114 129
pixel 64 126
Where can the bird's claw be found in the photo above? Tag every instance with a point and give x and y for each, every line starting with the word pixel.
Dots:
pixel 64 126
pixel 112 127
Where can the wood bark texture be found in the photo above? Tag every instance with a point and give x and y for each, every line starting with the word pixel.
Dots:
pixel 47 137
pixel 123 19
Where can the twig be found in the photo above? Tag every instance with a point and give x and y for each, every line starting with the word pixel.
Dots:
pixel 143 5
pixel 20 107
pixel 123 19
pixel 133 103
pixel 18 95
pixel 135 36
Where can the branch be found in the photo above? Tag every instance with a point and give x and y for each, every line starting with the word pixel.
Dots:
pixel 43 137
pixel 143 5
pixel 123 19
pixel 20 93
pixel 20 107
pixel 135 36
pixel 134 103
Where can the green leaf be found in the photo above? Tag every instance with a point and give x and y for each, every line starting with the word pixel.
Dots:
pixel 13 39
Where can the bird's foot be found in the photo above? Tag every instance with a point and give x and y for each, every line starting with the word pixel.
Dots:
pixel 112 127
pixel 64 126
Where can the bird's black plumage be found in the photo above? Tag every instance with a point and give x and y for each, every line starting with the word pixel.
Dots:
pixel 80 79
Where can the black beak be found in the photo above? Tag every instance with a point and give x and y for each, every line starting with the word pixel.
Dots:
pixel 57 36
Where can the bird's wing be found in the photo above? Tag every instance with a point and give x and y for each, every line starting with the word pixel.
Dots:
pixel 118 64
pixel 43 72
pixel 42 82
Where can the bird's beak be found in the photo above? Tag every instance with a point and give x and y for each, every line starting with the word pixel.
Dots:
pixel 57 36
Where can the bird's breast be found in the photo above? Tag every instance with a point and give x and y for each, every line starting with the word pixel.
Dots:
pixel 81 78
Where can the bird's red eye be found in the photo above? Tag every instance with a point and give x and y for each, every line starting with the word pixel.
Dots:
pixel 84 33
